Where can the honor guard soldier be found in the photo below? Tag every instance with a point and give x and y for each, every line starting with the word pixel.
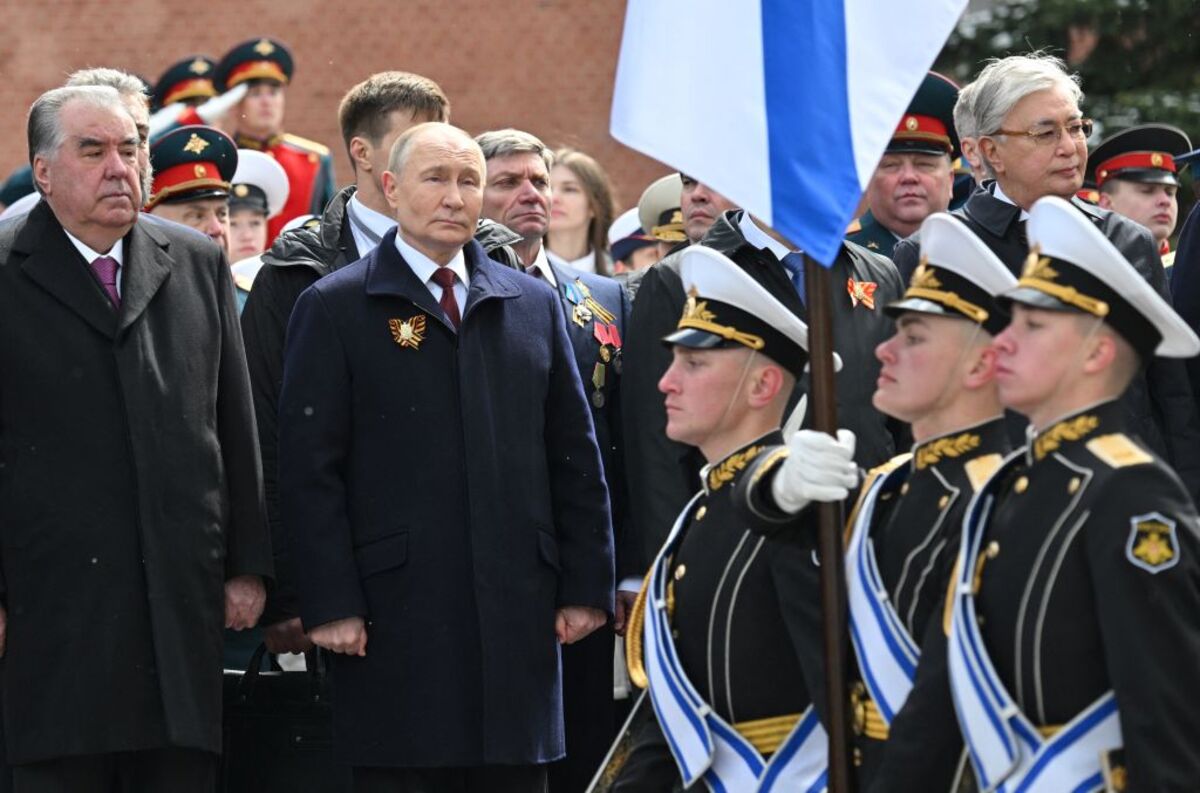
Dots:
pixel 903 535
pixel 189 81
pixel 1073 614
pixel 1137 175
pixel 193 167
pixel 915 177
pixel 713 632
pixel 266 67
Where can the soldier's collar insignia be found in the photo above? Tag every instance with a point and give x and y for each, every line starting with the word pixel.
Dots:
pixel 951 446
pixel 1153 544
pixel 725 471
pixel 1072 429
pixel 196 144
pixel 408 332
pixel 861 292
pixel 199 66
pixel 264 47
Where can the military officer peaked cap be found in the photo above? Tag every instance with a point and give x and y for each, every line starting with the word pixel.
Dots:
pixel 658 209
pixel 927 127
pixel 1073 267
pixel 190 78
pixel 625 235
pixel 260 184
pixel 257 59
pixel 1140 154
pixel 191 163
pixel 958 276
pixel 726 308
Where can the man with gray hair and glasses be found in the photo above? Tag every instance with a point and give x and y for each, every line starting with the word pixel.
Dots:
pixel 1032 142
pixel 131 522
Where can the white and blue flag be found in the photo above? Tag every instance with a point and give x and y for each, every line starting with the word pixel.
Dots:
pixel 783 106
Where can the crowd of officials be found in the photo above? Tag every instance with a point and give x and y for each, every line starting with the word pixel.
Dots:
pixel 506 455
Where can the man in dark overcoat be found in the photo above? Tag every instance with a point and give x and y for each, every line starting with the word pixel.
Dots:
pixel 442 492
pixel 131 520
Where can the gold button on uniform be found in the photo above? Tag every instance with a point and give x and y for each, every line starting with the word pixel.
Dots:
pixel 943 501
pixel 700 513
pixel 904 489
pixel 1021 484
pixel 1073 485
pixel 680 572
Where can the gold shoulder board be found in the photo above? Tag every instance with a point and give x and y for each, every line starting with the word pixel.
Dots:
pixel 1118 450
pixel 306 144
pixel 980 469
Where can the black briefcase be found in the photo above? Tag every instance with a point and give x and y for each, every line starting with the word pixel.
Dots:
pixel 279 731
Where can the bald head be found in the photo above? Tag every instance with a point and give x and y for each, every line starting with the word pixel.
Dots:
pixel 434 184
pixel 431 134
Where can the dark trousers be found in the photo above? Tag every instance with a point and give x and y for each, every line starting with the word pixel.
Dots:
pixel 168 770
pixel 479 779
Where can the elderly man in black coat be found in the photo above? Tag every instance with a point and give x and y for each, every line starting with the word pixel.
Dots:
pixel 442 492
pixel 1033 142
pixel 131 519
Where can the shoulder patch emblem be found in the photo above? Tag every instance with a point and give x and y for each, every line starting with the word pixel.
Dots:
pixel 1118 450
pixel 1153 545
pixel 980 469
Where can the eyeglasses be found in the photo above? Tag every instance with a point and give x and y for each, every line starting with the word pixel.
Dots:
pixel 1049 134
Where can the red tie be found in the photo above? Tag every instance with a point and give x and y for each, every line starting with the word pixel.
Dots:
pixel 105 268
pixel 445 278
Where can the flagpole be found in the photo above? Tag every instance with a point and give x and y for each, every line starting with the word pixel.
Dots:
pixel 818 282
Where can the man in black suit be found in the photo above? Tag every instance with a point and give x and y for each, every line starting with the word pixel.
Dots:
pixel 132 521
pixel 1033 143
pixel 518 195
pixel 442 492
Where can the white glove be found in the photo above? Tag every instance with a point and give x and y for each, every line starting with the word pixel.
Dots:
pixel 819 467
pixel 212 110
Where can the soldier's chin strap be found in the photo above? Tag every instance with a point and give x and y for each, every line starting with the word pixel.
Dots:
pixel 732 399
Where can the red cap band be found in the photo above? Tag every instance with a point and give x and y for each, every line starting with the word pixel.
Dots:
pixel 917 127
pixel 1134 159
pixel 255 70
pixel 184 177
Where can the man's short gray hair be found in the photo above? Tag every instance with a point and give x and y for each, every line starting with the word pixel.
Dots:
pixel 503 142
pixel 402 148
pixel 123 83
pixel 44 128
pixel 964 109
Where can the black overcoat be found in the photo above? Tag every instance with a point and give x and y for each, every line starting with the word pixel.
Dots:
pixel 449 490
pixel 130 490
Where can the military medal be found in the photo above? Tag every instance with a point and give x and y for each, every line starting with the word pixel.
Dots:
pixel 598 377
pixel 861 292
pixel 408 332
pixel 581 315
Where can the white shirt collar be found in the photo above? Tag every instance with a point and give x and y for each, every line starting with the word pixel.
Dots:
pixel 89 255
pixel 542 264
pixel 377 222
pixel 585 263
pixel 759 238
pixel 998 193
pixel 424 267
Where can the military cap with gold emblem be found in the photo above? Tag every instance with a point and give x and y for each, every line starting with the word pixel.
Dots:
pixel 260 184
pixel 927 127
pixel 256 59
pixel 1139 154
pixel 958 276
pixel 659 212
pixel 1073 267
pixel 726 308
pixel 625 235
pixel 191 163
pixel 189 80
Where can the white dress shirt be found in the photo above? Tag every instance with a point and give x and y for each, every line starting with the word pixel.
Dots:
pixel 998 193
pixel 117 253
pixel 541 263
pixel 760 239
pixel 424 267
pixel 375 222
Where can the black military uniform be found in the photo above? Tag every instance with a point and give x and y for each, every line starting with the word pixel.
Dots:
pixel 1087 576
pixel 910 509
pixel 662 473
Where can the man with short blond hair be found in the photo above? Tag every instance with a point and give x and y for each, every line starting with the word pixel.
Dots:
pixel 439 549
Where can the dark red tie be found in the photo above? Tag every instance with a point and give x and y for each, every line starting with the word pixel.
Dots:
pixel 105 268
pixel 445 278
